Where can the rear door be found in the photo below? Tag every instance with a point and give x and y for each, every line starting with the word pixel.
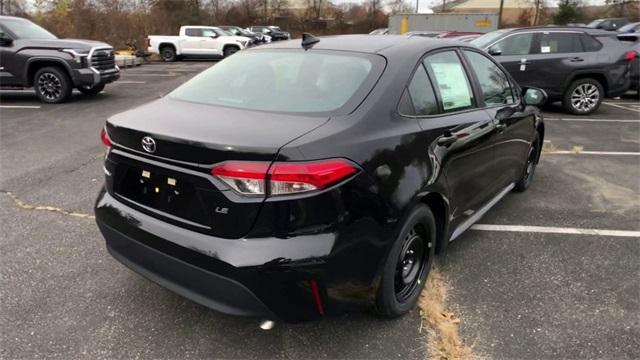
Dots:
pixel 10 66
pixel 442 98
pixel 191 40
pixel 556 56
pixel 513 52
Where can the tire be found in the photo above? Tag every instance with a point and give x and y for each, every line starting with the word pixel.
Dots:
pixel 168 54
pixel 402 281
pixel 229 50
pixel 583 96
pixel 91 90
pixel 52 85
pixel 530 166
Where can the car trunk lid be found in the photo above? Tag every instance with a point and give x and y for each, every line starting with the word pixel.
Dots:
pixel 172 180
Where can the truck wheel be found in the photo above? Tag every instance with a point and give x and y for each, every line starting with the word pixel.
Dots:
pixel 91 90
pixel 229 50
pixel 168 54
pixel 52 85
pixel 583 96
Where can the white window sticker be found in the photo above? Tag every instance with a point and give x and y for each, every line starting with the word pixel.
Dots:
pixel 452 84
pixel 545 49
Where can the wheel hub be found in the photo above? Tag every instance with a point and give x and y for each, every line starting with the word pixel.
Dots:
pixel 411 264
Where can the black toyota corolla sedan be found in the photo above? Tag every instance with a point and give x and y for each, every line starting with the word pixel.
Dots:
pixel 294 181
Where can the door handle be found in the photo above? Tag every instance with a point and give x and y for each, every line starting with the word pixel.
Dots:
pixel 576 59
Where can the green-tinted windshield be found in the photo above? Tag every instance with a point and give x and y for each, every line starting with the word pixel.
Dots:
pixel 25 29
pixel 281 81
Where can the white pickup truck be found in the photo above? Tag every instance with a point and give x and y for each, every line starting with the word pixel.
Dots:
pixel 196 41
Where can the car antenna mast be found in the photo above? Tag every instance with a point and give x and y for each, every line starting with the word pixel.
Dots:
pixel 308 41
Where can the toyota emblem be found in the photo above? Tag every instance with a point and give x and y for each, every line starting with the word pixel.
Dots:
pixel 148 144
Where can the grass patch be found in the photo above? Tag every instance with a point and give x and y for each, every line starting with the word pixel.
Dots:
pixel 443 333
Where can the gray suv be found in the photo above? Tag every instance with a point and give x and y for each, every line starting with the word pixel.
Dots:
pixel 30 56
pixel 578 66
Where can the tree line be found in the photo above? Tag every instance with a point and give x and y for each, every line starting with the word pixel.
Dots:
pixel 124 22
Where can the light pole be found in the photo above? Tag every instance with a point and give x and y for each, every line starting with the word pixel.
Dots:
pixel 500 14
pixel 417 6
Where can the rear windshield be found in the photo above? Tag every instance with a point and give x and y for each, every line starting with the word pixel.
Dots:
pixel 285 81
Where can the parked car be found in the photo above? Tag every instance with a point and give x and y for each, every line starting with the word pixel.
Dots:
pixel 630 28
pixel 30 56
pixel 196 41
pixel 458 34
pixel 256 38
pixel 273 31
pixel 423 33
pixel 381 31
pixel 467 38
pixel 611 24
pixel 259 189
pixel 578 66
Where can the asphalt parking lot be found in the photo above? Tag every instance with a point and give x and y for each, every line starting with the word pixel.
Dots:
pixel 522 288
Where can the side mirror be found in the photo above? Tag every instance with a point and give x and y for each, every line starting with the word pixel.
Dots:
pixel 213 36
pixel 5 40
pixel 534 96
pixel 494 51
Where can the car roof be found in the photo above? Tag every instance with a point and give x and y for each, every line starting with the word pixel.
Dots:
pixel 396 44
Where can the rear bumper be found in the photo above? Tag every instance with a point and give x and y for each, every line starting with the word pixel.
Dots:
pixel 259 277
pixel 198 284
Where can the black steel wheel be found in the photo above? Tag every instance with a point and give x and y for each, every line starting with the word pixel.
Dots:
pixel 52 85
pixel 530 166
pixel 408 263
pixel 412 260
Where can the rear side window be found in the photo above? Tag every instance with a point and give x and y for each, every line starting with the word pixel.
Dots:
pixel 496 89
pixel 589 43
pixel 518 44
pixel 558 43
pixel 421 93
pixel 193 32
pixel 450 80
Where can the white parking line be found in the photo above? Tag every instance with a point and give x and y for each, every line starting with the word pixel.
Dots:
pixel 555 230
pixel 145 74
pixel 19 107
pixel 592 120
pixel 128 82
pixel 581 152
pixel 628 108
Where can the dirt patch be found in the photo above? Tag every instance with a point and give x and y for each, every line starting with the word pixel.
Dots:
pixel 443 324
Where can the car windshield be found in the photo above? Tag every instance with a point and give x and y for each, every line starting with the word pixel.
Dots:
pixel 594 23
pixel 282 81
pixel 25 29
pixel 488 38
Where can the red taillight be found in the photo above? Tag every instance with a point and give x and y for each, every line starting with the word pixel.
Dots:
pixel 630 55
pixel 105 138
pixel 282 178
pixel 148 42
